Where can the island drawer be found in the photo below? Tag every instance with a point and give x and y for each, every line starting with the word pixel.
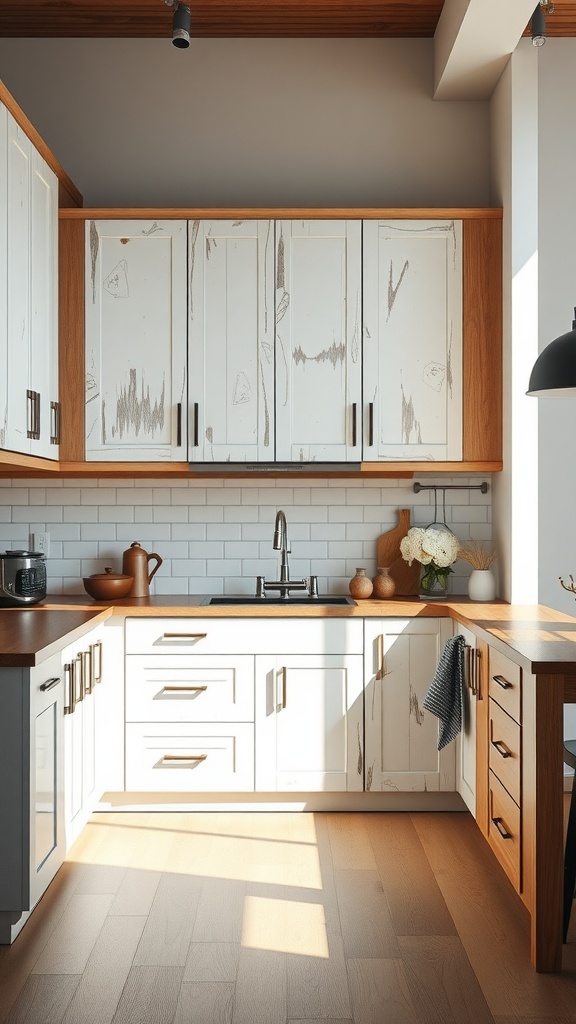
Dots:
pixel 504 749
pixel 505 685
pixel 504 824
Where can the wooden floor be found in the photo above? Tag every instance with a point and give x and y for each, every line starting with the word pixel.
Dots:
pixel 269 918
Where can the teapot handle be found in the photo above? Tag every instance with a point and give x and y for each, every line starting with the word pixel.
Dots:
pixel 156 567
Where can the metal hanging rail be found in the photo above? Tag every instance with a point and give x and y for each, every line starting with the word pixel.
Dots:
pixel 483 487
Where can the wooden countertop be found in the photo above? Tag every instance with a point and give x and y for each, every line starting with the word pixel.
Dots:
pixel 542 639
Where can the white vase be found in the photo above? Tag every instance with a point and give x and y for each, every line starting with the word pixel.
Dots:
pixel 482 585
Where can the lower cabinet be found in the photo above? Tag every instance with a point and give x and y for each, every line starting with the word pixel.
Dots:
pixel 466 742
pixel 32 840
pixel 309 723
pixel 504 764
pixel 93 723
pixel 401 656
pixel 211 705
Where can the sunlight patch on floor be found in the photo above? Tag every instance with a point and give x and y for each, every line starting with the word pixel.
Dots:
pixel 285 926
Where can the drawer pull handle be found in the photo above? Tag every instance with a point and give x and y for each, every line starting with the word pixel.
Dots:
pixel 170 758
pixel 501 748
pixel 50 684
pixel 502 682
pixel 184 636
pixel 380 655
pixel 96 656
pixel 183 689
pixel 70 685
pixel 281 697
pixel 502 828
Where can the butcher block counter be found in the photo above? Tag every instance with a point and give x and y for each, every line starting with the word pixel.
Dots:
pixel 537 643
pixel 544 639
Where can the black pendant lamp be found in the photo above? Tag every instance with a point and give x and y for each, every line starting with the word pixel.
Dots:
pixel 554 372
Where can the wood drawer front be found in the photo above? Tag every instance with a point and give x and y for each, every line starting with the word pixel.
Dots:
pixel 243 635
pixel 505 737
pixel 188 688
pixel 204 757
pixel 504 829
pixel 505 684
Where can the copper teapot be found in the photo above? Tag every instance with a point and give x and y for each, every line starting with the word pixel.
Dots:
pixel 135 562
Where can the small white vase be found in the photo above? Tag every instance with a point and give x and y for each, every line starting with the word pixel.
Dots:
pixel 482 585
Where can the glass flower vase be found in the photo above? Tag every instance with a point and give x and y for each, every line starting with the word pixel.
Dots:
pixel 433 584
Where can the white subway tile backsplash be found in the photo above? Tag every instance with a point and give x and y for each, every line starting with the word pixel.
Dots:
pixel 215 537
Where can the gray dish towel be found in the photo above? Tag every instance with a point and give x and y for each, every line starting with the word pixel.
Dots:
pixel 444 697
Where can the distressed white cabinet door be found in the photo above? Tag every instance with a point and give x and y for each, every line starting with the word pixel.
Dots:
pixel 401 656
pixel 136 341
pixel 3 274
pixel 309 723
pixel 466 742
pixel 318 341
pixel 19 207
pixel 43 374
pixel 231 341
pixel 412 348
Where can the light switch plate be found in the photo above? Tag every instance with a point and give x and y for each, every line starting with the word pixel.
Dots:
pixel 41 543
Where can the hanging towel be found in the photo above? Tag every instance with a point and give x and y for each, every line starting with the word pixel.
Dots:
pixel 444 697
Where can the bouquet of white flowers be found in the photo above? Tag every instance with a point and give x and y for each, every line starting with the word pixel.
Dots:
pixel 435 549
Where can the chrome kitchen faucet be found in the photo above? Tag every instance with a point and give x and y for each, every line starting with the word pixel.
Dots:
pixel 285 584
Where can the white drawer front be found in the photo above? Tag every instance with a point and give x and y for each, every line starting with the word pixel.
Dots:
pixel 243 636
pixel 195 759
pixel 189 688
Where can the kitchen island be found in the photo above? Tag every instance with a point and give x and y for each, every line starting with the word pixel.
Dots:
pixel 537 641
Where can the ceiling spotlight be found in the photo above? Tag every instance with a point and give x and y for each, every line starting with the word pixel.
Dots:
pixel 180 24
pixel 538 26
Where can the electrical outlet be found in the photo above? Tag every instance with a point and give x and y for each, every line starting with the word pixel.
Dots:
pixel 41 543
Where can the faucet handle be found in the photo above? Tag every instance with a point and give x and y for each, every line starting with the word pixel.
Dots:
pixel 260 590
pixel 313 586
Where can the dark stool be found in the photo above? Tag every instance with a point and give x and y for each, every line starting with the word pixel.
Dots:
pixel 570 850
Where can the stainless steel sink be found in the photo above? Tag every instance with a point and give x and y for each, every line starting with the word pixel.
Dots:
pixel 263 601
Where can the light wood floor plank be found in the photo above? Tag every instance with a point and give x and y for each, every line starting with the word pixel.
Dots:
pixel 43 999
pixel 366 924
pixel 73 938
pixel 101 879
pixel 136 893
pixel 168 931
pixel 416 904
pixel 96 998
pixel 150 996
pixel 318 988
pixel 349 842
pixel 491 921
pixel 260 988
pixel 442 983
pixel 220 911
pixel 379 992
pixel 212 962
pixel 205 1003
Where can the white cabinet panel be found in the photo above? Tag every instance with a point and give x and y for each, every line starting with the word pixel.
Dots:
pixel 243 635
pixel 466 742
pixel 4 389
pixel 401 737
pixel 203 757
pixel 413 340
pixel 231 341
pixel 309 723
pixel 136 340
pixel 31 413
pixel 318 341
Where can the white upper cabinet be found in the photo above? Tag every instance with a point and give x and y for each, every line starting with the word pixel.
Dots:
pixel 136 340
pixel 412 340
pixel 231 341
pixel 29 350
pixel 318 341
pixel 3 275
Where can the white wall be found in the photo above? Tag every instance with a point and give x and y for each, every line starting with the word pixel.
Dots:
pixel 514 121
pixel 557 298
pixel 215 536
pixel 255 122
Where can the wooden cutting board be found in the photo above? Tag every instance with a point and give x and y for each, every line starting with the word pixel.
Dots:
pixel 406 577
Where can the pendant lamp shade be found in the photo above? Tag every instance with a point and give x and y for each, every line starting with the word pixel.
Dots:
pixel 554 372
